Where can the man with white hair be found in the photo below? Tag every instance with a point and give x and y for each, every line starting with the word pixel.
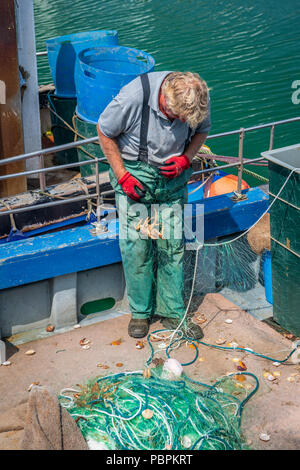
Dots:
pixel 150 133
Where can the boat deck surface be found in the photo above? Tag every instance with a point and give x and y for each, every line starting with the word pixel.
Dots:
pixel 59 361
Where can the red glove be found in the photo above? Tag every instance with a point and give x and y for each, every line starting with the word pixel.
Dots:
pixel 131 186
pixel 175 166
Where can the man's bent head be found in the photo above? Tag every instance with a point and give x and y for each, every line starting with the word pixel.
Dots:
pixel 186 97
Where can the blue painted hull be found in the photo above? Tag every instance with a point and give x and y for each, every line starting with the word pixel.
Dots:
pixel 77 249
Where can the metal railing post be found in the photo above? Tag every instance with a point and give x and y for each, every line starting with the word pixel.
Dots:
pixel 97 190
pixel 271 137
pixel 99 227
pixel 240 168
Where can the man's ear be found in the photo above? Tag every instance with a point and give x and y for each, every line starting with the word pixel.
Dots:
pixel 163 100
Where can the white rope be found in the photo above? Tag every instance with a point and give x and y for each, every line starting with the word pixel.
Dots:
pixel 177 330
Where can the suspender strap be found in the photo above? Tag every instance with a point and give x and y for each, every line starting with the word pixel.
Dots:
pixel 188 139
pixel 143 149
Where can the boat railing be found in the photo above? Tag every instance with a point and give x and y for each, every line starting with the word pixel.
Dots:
pixel 98 195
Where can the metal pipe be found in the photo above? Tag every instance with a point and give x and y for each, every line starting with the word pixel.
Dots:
pixel 49 150
pixel 271 138
pixel 97 189
pixel 107 193
pixel 89 162
pixel 70 145
pixel 50 168
pixel 254 128
pixel 208 170
pixel 48 204
pixel 229 165
pixel 38 54
pixel 240 168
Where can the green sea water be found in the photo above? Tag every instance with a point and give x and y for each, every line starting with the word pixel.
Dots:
pixel 248 51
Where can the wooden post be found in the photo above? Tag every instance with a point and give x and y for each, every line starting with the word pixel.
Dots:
pixel 11 132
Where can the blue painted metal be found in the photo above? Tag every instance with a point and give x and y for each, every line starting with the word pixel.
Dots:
pixel 102 72
pixel 56 254
pixel 77 249
pixel 223 216
pixel 267 275
pixel 47 228
pixel 62 224
pixel 62 56
pixel 15 235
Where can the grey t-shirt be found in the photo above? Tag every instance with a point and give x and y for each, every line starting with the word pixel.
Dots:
pixel 121 119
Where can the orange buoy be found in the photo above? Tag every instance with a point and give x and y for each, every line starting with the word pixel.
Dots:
pixel 226 184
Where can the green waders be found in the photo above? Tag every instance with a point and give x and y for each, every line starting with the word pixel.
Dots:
pixel 153 268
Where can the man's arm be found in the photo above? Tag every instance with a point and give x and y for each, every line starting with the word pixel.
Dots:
pixel 174 166
pixel 111 151
pixel 196 142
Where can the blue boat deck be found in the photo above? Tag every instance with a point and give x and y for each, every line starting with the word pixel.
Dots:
pixel 78 249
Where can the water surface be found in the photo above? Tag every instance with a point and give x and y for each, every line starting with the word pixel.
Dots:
pixel 247 51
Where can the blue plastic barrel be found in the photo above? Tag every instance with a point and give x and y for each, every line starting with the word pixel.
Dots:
pixel 102 72
pixel 267 275
pixel 63 53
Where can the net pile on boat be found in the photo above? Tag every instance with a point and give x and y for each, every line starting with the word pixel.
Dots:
pixel 153 411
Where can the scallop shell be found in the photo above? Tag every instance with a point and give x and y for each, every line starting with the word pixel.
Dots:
pixel 186 442
pixel 264 437
pixel 147 373
pixel 220 341
pixel 291 379
pixel 201 319
pixel 241 366
pixel 84 342
pixel 30 352
pixel 32 385
pixel 147 414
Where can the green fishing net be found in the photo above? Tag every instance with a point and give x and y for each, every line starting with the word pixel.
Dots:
pixel 133 412
pixel 161 412
pixel 229 266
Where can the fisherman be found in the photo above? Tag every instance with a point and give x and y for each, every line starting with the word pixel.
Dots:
pixel 150 133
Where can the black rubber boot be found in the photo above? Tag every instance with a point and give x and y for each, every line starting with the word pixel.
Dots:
pixel 138 328
pixel 188 327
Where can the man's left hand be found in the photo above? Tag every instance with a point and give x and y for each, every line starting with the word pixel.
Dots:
pixel 174 166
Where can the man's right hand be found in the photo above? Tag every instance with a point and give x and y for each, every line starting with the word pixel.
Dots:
pixel 131 186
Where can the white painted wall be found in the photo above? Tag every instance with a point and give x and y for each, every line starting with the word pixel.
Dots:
pixel 27 60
